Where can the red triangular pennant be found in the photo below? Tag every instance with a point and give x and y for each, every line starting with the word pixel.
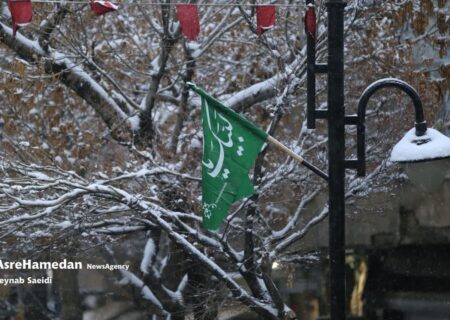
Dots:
pixel 265 18
pixel 102 7
pixel 310 20
pixel 190 23
pixel 21 13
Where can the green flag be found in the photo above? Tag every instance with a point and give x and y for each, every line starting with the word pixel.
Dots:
pixel 230 147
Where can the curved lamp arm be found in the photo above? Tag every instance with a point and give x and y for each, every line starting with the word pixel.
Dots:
pixel 421 126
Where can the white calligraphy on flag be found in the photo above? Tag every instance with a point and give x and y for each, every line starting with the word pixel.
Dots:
pixel 227 127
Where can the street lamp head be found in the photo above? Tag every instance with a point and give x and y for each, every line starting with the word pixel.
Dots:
pixel 425 158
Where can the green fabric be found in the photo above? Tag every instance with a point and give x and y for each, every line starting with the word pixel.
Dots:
pixel 230 147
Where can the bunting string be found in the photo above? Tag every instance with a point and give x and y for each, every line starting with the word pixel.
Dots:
pixel 151 3
pixel 187 13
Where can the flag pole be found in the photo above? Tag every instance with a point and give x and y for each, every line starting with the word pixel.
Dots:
pixel 300 159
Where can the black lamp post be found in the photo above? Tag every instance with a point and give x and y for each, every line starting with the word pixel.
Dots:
pixel 336 141
pixel 422 139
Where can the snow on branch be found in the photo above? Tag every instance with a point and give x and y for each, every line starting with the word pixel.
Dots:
pixel 149 253
pixel 129 277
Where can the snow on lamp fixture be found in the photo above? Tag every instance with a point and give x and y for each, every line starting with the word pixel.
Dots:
pixel 424 152
pixel 424 158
